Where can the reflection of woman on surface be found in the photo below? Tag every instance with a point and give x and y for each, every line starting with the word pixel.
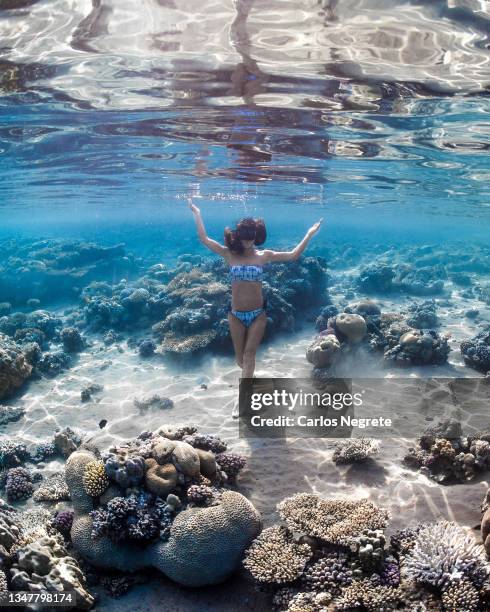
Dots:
pixel 247 315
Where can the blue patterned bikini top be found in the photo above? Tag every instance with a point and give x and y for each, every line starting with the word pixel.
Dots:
pixel 246 273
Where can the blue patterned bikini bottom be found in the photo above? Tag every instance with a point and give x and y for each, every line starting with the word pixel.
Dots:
pixel 247 317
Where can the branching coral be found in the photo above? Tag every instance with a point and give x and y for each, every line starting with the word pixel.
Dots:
pixel 335 521
pixel 444 552
pixel 53 489
pixel 354 450
pixel 366 596
pixel 275 558
pixel 140 517
pixel 461 596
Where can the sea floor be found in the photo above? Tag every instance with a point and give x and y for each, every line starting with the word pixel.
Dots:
pixel 204 394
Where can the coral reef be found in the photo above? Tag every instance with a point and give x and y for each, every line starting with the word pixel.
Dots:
pixel 48 270
pixel 14 367
pixel 376 278
pixel 9 414
pixel 95 479
pixel 476 352
pixel 18 484
pixel 52 489
pixel 445 455
pixel 130 527
pixel 334 521
pixel 423 316
pixel 355 450
pixel 425 567
pixel 72 340
pixel 419 347
pixel 45 566
pixel 186 307
pixel 323 351
pixel 12 453
pixel 289 557
pixel 443 552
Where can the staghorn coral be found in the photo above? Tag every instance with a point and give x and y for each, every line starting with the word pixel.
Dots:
pixel 461 596
pixel 275 558
pixel 334 521
pixel 354 450
pixel 95 479
pixel 443 552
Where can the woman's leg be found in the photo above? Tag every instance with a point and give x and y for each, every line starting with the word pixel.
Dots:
pixel 238 333
pixel 254 336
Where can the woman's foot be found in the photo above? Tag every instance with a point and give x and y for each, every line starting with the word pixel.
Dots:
pixel 236 405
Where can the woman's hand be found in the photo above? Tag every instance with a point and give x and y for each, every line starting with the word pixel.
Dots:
pixel 314 228
pixel 193 207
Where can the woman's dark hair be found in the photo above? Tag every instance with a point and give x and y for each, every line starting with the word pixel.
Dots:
pixel 246 229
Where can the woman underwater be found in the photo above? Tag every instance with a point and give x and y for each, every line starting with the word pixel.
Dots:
pixel 247 316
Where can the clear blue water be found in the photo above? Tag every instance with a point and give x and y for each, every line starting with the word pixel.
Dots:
pixel 373 115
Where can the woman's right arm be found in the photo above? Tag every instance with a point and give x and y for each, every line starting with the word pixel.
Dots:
pixel 211 244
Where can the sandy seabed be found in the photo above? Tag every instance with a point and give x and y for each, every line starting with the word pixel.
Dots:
pixel 204 394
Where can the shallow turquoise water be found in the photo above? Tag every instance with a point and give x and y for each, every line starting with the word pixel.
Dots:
pixel 290 111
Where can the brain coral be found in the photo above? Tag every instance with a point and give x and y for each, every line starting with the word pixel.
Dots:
pixel 205 544
pixel 336 521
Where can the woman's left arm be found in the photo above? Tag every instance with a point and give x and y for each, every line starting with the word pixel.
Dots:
pixel 278 256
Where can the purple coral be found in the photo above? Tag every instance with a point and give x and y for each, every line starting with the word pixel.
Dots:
pixel 206 442
pixel 18 484
pixel 199 493
pixel 63 521
pixel 390 574
pixel 230 464
pixel 134 517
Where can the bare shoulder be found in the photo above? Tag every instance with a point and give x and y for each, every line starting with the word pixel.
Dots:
pixel 266 255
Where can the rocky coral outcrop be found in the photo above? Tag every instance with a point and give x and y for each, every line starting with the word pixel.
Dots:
pixel 44 566
pixel 476 351
pixel 14 367
pixel 147 518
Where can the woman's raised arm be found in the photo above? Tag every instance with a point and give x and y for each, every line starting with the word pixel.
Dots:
pixel 278 256
pixel 211 244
